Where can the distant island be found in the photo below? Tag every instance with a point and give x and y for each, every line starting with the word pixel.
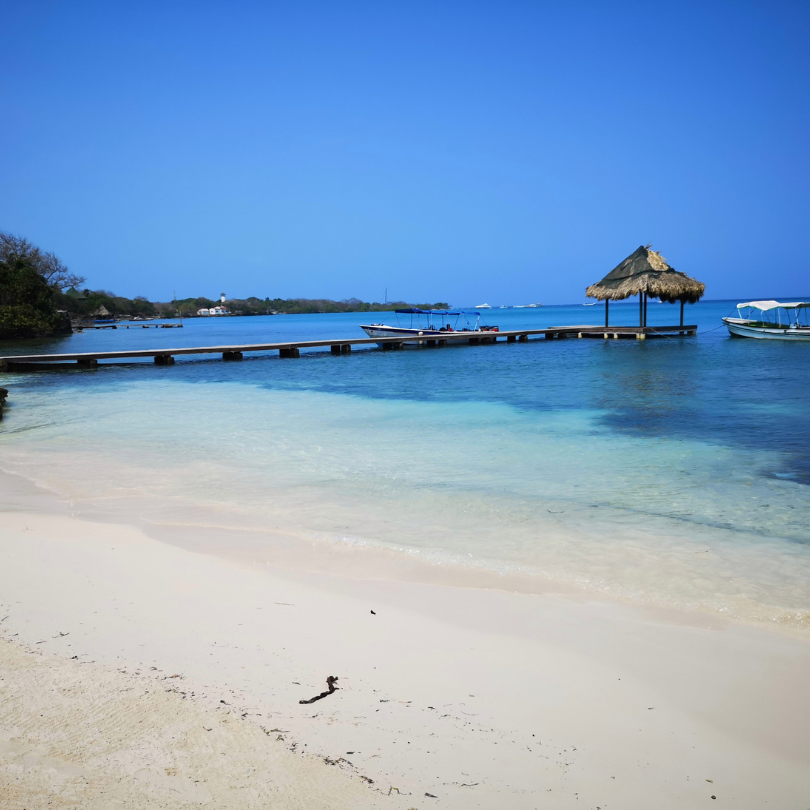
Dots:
pixel 40 297
pixel 88 304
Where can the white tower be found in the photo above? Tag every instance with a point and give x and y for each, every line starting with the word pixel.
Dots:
pixel 222 298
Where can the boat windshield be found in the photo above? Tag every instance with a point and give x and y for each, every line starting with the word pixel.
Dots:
pixel 438 320
pixel 776 313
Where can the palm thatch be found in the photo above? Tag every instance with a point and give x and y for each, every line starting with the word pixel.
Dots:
pixel 646 271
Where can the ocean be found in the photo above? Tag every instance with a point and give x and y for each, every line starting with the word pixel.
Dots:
pixel 671 472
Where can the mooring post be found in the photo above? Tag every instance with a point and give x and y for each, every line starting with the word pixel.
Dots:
pixel 291 352
pixel 164 360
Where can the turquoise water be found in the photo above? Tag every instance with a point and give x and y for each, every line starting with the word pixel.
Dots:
pixel 670 472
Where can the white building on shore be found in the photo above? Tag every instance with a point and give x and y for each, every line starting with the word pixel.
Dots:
pixel 220 310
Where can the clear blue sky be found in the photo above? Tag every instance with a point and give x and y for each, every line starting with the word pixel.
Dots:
pixel 502 151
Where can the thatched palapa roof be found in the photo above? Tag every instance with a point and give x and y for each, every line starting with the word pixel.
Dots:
pixel 646 271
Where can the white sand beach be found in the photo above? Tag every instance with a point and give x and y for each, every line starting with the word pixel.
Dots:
pixel 139 674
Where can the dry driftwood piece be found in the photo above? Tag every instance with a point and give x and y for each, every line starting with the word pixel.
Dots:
pixel 330 682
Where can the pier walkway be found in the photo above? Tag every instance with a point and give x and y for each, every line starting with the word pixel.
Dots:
pixel 38 362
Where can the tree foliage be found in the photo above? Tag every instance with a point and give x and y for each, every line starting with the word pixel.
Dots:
pixel 26 299
pixel 47 265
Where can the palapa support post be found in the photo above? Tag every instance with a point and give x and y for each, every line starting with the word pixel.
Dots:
pixel 682 302
pixel 607 311
pixel 164 360
pixel 292 351
pixel 641 309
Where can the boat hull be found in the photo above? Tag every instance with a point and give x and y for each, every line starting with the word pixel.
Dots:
pixel 381 331
pixel 737 327
pixel 420 335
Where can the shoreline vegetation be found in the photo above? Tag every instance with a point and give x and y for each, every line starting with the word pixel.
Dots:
pixel 40 297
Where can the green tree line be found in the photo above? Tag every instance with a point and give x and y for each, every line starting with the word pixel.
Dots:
pixel 39 297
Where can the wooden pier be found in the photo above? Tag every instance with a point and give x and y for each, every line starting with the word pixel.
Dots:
pixel 165 357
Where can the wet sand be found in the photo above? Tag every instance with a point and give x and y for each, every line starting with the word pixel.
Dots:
pixel 119 652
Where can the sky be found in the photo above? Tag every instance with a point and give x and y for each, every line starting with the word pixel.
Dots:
pixel 468 152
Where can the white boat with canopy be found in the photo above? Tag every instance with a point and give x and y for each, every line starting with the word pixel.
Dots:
pixel 771 320
pixel 428 323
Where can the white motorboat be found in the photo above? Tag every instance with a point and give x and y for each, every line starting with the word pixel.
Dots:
pixel 428 323
pixel 483 306
pixel 770 320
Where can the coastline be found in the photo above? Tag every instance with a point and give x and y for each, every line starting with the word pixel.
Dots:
pixel 480 697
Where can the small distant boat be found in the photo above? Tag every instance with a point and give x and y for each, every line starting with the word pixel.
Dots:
pixel 429 323
pixel 771 324
pixel 483 306
pixel 591 304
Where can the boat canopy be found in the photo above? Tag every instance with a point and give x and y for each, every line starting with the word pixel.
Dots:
pixel 415 311
pixel 764 306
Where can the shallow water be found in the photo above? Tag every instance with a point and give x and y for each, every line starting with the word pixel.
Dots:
pixel 672 472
